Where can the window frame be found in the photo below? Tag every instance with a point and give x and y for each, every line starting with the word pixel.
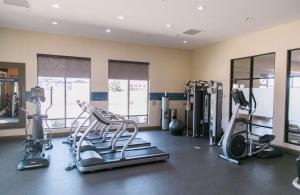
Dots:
pixel 128 100
pixel 250 79
pixel 287 97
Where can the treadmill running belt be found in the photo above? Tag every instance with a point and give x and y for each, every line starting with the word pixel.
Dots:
pixel 108 160
pixel 94 136
pixel 135 143
pixel 134 153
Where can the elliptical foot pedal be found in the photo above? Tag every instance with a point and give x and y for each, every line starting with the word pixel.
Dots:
pixel 269 152
pixel 266 138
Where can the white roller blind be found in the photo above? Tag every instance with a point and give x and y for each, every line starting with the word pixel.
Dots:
pixel 128 70
pixel 63 66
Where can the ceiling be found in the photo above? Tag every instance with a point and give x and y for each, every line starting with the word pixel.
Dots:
pixel 145 20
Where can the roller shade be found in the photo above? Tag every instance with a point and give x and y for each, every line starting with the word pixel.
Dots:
pixel 63 66
pixel 128 70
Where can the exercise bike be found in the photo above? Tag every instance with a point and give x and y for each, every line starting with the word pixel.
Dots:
pixel 238 141
pixel 36 144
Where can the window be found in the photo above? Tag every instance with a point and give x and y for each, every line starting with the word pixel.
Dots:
pixel 292 122
pixel 256 75
pixel 128 89
pixel 70 79
pixel 266 83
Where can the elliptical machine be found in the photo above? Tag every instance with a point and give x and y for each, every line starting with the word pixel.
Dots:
pixel 36 144
pixel 238 141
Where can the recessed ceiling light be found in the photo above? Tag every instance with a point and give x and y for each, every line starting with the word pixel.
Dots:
pixel 108 30
pixel 168 25
pixel 54 22
pixel 185 42
pixel 249 19
pixel 200 7
pixel 149 36
pixel 55 6
pixel 120 17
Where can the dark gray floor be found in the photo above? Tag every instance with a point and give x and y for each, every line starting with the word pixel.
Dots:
pixel 189 171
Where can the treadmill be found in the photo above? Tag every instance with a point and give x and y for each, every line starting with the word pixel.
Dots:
pixel 94 137
pixel 93 160
pixel 103 144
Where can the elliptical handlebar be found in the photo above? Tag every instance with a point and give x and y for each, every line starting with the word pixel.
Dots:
pixel 51 102
pixel 24 110
pixel 49 145
pixel 238 97
pixel 254 100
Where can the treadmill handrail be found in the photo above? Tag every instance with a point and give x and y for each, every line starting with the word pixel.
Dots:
pixel 74 121
pixel 99 116
pixel 103 131
pixel 80 127
pixel 86 109
pixel 133 136
pixel 78 145
pixel 115 136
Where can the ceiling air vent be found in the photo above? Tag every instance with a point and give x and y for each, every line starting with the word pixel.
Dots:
pixel 19 3
pixel 192 32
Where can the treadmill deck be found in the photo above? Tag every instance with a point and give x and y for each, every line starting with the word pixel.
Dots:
pixel 112 159
pixel 104 146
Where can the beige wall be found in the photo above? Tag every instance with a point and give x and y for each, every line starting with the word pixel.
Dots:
pixel 169 68
pixel 213 63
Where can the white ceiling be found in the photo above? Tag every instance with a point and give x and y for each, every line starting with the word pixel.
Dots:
pixel 145 20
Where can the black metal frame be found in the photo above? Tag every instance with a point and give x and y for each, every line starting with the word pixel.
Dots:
pixel 250 79
pixel 287 102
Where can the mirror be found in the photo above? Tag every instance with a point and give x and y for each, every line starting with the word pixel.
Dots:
pixel 12 80
pixel 293 95
pixel 9 95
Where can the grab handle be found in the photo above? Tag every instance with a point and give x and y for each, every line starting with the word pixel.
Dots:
pixel 46 114
pixel 26 112
pixel 51 96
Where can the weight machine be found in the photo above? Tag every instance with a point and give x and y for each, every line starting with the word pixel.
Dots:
pixel 204 109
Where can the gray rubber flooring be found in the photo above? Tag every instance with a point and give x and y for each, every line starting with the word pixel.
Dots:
pixel 188 171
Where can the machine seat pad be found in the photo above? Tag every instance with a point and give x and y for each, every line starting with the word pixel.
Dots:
pixel 266 138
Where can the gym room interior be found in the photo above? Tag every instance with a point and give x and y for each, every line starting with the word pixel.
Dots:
pixel 149 97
